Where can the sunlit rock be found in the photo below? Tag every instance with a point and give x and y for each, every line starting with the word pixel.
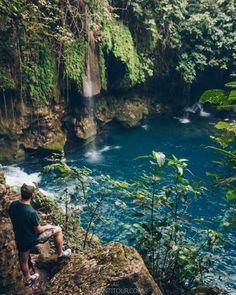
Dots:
pixel 109 269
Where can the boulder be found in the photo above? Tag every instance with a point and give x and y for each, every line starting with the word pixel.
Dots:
pixel 129 112
pixel 110 269
pixel 86 128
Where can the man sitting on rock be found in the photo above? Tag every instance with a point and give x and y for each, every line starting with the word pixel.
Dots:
pixel 29 232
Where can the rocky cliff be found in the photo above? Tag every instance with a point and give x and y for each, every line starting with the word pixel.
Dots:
pixel 48 128
pixel 107 269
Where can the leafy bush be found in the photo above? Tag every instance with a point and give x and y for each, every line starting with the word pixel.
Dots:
pixel 117 39
pixel 226 138
pixel 176 252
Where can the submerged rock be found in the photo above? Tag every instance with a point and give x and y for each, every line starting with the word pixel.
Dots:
pixel 110 269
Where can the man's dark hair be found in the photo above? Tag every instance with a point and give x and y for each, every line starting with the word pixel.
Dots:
pixel 27 191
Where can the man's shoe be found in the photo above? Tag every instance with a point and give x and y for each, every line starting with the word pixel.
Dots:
pixel 65 256
pixel 32 280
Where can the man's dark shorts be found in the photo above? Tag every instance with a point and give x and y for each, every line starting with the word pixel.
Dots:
pixel 42 238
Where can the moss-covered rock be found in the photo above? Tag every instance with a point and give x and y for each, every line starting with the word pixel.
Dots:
pixel 231 84
pixel 108 269
pixel 131 113
pixel 10 151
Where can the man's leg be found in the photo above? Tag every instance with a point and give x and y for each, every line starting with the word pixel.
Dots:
pixel 24 259
pixel 58 240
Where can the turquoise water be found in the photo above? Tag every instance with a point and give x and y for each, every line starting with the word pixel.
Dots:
pixel 113 151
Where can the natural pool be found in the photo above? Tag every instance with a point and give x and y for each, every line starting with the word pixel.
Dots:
pixel 113 152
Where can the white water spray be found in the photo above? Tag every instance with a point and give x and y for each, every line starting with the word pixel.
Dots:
pixel 15 176
pixel 197 107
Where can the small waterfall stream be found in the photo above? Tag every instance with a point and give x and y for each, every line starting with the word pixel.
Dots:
pixel 91 83
pixel 193 109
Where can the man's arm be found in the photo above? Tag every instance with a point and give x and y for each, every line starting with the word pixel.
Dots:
pixel 41 228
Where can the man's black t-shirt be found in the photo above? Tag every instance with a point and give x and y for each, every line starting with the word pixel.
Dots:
pixel 24 218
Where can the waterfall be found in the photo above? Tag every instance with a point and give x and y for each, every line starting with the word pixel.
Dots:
pixel 88 85
pixel 195 107
pixel 202 113
pixel 87 127
pixel 91 81
pixel 186 95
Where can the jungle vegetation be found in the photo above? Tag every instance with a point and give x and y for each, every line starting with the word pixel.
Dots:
pixel 43 42
pixel 43 53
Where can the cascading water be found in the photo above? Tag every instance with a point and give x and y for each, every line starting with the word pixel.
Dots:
pixel 186 96
pixel 195 107
pixel 91 85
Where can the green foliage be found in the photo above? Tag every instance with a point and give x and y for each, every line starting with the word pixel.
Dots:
pixel 90 195
pixel 226 138
pixel 102 68
pixel 216 96
pixel 176 252
pixel 231 84
pixel 6 80
pixel 232 95
pixel 40 76
pixel 74 55
pixel 189 35
pixel 117 39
